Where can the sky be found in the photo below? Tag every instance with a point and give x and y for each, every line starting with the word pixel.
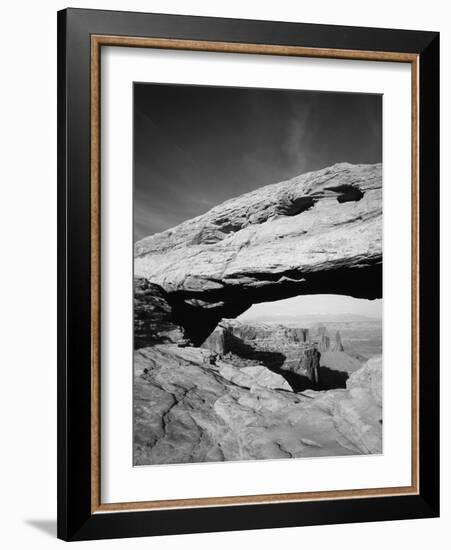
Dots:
pixel 320 304
pixel 197 146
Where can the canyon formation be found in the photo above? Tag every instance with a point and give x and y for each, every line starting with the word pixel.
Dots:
pixel 209 387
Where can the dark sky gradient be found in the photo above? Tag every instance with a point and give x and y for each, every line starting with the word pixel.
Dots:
pixel 196 146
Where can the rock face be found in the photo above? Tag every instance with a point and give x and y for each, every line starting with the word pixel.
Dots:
pixel 319 363
pixel 267 332
pixel 338 346
pixel 325 342
pixel 370 378
pixel 192 407
pixel 220 340
pixel 283 349
pixel 361 416
pixel 254 377
pixel 339 361
pixel 316 233
pixel 153 316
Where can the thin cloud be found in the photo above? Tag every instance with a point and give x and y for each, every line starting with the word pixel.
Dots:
pixel 197 146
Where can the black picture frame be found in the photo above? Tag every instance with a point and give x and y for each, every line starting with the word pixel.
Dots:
pixel 76 520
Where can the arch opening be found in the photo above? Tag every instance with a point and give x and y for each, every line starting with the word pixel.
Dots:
pixel 200 311
pixel 313 341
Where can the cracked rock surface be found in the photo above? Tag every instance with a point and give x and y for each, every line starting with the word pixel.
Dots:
pixel 253 393
pixel 192 407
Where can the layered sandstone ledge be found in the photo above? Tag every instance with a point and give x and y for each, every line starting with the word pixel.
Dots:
pixel 320 232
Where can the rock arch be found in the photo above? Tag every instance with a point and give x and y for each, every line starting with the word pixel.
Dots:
pixel 320 232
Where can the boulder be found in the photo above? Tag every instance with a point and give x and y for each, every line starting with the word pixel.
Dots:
pixel 217 341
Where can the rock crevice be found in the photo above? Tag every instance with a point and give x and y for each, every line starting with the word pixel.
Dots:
pixel 189 410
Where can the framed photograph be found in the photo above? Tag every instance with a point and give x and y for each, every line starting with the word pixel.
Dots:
pixel 248 274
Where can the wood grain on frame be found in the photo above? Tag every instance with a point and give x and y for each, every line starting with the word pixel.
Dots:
pixel 97 41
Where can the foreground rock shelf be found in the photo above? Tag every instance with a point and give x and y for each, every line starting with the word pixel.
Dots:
pixel 192 407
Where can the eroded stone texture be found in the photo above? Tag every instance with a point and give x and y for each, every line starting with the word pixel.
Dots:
pixel 369 377
pixel 190 409
pixel 219 340
pixel 325 342
pixel 239 397
pixel 338 345
pixel 251 377
pixel 153 316
pixel 316 233
pixel 281 348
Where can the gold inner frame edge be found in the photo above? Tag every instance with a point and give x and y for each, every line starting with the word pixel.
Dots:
pixel 97 41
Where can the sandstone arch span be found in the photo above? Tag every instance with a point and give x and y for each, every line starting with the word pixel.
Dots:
pixel 320 232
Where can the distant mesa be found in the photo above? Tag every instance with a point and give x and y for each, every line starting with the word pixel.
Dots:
pixel 318 362
pixel 285 350
pixel 325 342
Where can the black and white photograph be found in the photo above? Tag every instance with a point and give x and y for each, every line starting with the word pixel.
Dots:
pixel 224 289
pixel 257 274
